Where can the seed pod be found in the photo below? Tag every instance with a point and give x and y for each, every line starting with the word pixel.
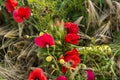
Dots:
pixel 62 61
pixel 49 58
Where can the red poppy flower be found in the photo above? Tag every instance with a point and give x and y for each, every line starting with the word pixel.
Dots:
pixel 21 13
pixel 72 38
pixel 11 5
pixel 64 69
pixel 90 74
pixel 61 78
pixel 72 58
pixel 37 74
pixel 67 24
pixel 71 27
pixel 44 40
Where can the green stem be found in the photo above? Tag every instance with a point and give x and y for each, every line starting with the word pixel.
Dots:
pixel 32 24
pixel 53 58
pixel 20 27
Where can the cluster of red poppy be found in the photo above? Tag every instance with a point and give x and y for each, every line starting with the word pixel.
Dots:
pixel 19 13
pixel 72 36
pixel 71 58
pixel 37 74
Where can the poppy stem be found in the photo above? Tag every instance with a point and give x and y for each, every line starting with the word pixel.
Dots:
pixel 54 60
pixel 20 26
pixel 26 2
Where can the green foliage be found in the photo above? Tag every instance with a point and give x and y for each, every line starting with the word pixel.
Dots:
pixel 51 11
pixel 70 10
pixel 2 2
pixel 100 3
pixel 43 13
pixel 115 44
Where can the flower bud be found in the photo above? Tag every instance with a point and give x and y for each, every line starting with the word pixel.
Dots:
pixel 58 42
pixel 27 36
pixel 49 58
pixel 41 33
pixel 62 61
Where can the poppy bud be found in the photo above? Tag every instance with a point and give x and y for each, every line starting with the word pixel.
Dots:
pixel 62 61
pixel 49 58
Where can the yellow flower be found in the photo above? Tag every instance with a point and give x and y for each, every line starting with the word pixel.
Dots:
pixel 49 58
pixel 62 61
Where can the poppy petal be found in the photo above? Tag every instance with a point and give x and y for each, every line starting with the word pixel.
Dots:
pixel 16 17
pixel 37 73
pixel 90 74
pixel 61 78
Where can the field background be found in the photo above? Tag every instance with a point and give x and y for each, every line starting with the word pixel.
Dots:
pixel 99 25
